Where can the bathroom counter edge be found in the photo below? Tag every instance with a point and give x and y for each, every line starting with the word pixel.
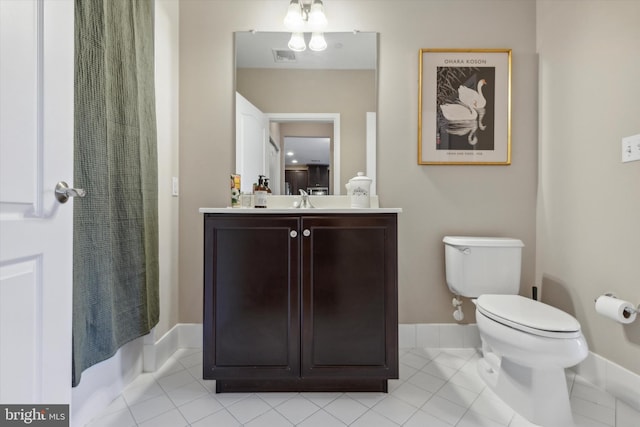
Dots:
pixel 297 211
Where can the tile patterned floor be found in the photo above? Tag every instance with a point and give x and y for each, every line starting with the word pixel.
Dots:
pixel 437 388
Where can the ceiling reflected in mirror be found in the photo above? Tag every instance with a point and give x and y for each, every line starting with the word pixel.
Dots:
pixel 345 51
pixel 306 150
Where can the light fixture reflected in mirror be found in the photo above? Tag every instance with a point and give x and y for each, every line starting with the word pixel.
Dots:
pixel 301 15
pixel 317 42
pixel 296 43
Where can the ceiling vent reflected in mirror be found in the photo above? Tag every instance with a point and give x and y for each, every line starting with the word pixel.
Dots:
pixel 284 56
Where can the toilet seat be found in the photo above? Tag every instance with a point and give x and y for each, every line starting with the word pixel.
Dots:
pixel 528 315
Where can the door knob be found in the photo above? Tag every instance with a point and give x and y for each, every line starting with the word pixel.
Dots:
pixel 306 233
pixel 63 192
pixel 293 233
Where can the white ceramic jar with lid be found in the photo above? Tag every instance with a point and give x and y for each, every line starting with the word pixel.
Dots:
pixel 359 190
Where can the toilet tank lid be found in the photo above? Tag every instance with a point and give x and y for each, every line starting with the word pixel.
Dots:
pixel 499 242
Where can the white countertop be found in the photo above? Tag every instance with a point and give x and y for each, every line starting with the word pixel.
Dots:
pixel 294 211
pixel 323 205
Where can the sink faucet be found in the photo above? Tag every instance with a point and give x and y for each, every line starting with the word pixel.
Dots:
pixel 305 204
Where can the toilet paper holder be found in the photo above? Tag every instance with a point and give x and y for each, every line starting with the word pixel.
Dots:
pixel 629 310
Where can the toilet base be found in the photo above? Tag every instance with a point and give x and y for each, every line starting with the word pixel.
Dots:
pixel 539 395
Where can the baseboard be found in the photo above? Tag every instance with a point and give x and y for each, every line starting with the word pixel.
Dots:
pixel 616 380
pixel 182 335
pixel 438 335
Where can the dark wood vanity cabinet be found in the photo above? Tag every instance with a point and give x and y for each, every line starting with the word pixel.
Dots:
pixel 300 302
pixel 251 297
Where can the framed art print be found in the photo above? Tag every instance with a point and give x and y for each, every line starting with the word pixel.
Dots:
pixel 464 107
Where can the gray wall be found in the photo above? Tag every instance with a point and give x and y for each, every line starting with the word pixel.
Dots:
pixel 437 200
pixel 588 230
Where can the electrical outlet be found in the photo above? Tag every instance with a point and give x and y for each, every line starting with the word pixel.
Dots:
pixel 631 148
pixel 175 189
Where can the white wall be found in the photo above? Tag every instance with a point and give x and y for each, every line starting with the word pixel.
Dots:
pixel 167 116
pixel 588 225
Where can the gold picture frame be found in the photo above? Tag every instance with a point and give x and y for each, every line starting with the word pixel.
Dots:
pixel 464 107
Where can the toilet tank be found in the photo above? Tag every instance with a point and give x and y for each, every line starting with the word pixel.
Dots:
pixel 482 265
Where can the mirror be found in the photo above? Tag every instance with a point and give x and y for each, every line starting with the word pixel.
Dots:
pixel 324 102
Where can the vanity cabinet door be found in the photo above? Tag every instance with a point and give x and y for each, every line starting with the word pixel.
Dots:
pixel 349 296
pixel 251 297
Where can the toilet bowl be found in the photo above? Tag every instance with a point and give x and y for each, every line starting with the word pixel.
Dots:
pixel 526 347
pixel 526 344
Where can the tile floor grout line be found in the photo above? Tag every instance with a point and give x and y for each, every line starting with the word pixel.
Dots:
pixel 307 417
pixel 594 404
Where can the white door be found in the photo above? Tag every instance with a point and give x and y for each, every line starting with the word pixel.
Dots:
pixel 274 175
pixel 252 133
pixel 36 151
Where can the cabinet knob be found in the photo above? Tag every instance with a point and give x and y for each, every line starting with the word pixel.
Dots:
pixel 293 233
pixel 306 233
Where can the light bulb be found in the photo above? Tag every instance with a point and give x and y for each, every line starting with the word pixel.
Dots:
pixel 296 43
pixel 317 42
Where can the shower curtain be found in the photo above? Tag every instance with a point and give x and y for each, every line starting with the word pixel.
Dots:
pixel 115 254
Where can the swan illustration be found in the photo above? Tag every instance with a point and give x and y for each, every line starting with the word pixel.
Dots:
pixel 472 98
pixel 468 128
pixel 481 114
pixel 458 112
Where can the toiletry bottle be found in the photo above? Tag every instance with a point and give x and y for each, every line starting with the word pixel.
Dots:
pixel 266 184
pixel 235 190
pixel 260 194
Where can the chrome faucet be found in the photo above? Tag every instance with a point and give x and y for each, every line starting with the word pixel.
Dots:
pixel 305 204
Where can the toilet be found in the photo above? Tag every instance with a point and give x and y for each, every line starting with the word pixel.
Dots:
pixel 526 344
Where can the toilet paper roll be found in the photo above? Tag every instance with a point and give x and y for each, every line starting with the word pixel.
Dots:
pixel 619 310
